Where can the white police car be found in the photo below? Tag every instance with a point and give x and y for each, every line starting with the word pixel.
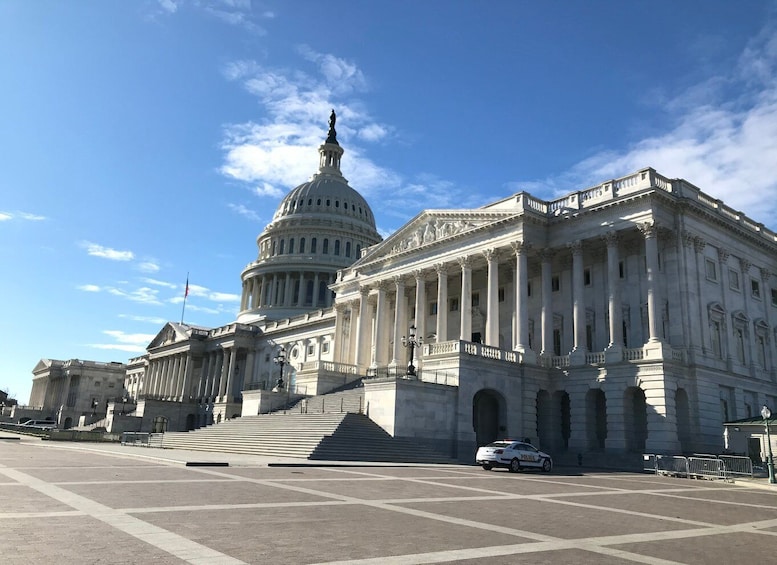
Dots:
pixel 515 455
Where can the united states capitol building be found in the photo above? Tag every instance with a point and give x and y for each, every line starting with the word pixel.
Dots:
pixel 637 315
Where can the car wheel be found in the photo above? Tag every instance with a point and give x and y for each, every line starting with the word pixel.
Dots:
pixel 546 465
pixel 515 466
pixel 487 467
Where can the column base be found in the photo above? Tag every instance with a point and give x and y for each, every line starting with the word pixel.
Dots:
pixel 577 357
pixel 613 353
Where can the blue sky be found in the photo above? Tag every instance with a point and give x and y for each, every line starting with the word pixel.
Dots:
pixel 144 140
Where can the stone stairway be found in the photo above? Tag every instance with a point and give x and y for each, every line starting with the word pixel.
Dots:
pixel 343 436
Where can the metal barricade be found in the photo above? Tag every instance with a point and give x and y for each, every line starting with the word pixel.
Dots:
pixel 706 468
pixel 135 438
pixel 673 465
pixel 649 463
pixel 737 466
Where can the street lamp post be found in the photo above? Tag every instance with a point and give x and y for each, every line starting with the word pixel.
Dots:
pixel 766 414
pixel 412 342
pixel 280 360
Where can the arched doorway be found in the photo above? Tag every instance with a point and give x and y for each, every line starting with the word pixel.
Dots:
pixel 635 419
pixel 564 419
pixel 488 416
pixel 545 420
pixel 68 423
pixel 596 418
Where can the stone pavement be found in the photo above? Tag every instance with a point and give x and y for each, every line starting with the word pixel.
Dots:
pixel 91 503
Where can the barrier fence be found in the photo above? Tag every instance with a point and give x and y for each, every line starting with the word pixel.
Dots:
pixel 722 467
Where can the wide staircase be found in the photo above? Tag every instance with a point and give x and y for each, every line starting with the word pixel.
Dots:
pixel 345 436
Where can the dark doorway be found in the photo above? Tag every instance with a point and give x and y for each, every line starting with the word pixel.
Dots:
pixel 486 417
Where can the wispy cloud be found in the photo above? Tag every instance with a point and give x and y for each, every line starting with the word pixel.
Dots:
pixel 148 267
pixel 147 319
pixel 239 13
pixel 244 211
pixel 724 143
pixel 89 288
pixel 96 250
pixel 26 216
pixel 134 343
pixel 156 282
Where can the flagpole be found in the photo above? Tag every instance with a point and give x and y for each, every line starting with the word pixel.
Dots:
pixel 185 294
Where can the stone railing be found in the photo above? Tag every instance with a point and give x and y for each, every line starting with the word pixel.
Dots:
pixel 470 348
pixel 330 367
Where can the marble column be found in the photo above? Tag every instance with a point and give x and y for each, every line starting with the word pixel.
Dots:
pixel 339 341
pixel 465 325
pixel 315 291
pixel 578 299
pixel 399 304
pixel 363 329
pixel 615 309
pixel 650 231
pixel 521 296
pixel 442 302
pixel 380 335
pixel 420 303
pixel 546 257
pixel 492 299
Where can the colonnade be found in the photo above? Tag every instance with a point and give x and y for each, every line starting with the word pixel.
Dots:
pixel 171 377
pixel 288 289
pixel 377 326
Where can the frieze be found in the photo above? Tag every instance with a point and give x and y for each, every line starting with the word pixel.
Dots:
pixel 434 230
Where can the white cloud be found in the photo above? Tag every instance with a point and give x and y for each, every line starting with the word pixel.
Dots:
pixel 5 216
pixel 223 297
pixel 169 6
pixel 725 144
pixel 242 210
pixel 107 253
pixel 143 295
pixel 148 319
pixel 148 267
pixel 89 288
pixel 134 343
pixel 156 282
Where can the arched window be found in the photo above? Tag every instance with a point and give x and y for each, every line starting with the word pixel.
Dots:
pixel 326 246
pixel 347 248
pixel 358 250
pixel 313 245
pixel 283 242
pixel 274 247
pixel 302 245
pixel 291 245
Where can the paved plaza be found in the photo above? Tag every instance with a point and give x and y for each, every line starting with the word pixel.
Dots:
pixel 87 503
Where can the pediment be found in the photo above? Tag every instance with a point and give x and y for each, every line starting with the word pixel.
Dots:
pixel 42 365
pixel 433 227
pixel 170 333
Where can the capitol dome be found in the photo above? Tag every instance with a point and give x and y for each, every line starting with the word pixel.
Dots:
pixel 319 227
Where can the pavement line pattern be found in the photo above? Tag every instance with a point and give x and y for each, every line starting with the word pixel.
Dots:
pixel 179 546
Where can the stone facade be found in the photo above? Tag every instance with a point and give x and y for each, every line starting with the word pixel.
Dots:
pixel 636 315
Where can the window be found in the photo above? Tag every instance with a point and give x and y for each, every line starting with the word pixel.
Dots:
pixel 715 339
pixel 733 279
pixel 311 349
pixel 528 288
pixel 711 270
pixel 302 245
pixel 555 284
pixel 587 277
pixel 337 247
pixel 347 248
pixel 326 246
pixel 325 347
pixel 273 247
pixel 454 305
pixel 283 245
pixel 501 293
pixel 621 270
pixel 556 341
pixel 589 337
pixel 433 308
pixel 475 299
pixel 313 243
pixel 755 289
pixel 774 297
pixel 739 342
pixel 291 245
